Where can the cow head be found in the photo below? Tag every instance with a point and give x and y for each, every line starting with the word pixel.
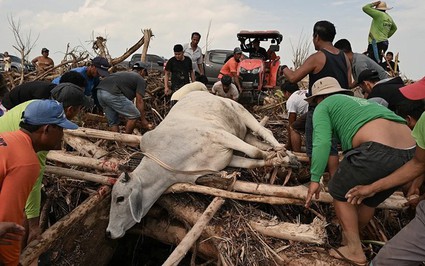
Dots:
pixel 126 205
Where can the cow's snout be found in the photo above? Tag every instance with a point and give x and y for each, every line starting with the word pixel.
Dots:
pixel 108 234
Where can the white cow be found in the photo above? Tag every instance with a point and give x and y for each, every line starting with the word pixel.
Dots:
pixel 200 132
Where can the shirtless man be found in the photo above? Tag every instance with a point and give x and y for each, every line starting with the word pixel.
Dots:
pixel 43 62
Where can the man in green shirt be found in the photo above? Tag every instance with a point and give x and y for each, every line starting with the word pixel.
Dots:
pixel 375 141
pixel 381 29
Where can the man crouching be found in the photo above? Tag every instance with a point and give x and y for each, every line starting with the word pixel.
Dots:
pixel 376 142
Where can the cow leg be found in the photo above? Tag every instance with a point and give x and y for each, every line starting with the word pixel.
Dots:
pixel 242 162
pixel 232 142
pixel 253 140
pixel 256 127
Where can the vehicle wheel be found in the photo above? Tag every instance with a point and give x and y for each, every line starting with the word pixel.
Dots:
pixel 14 69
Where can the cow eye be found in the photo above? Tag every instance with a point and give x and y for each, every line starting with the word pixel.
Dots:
pixel 120 199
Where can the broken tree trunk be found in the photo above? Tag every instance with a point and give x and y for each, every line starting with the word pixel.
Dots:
pixel 104 180
pixel 102 165
pixel 130 51
pixel 193 235
pixel 147 34
pixel 72 229
pixel 314 233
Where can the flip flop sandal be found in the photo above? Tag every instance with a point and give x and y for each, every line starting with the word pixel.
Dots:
pixel 352 262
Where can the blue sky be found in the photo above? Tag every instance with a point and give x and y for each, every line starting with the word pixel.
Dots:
pixel 62 21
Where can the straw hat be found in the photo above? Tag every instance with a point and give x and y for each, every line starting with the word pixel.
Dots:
pixel 383 6
pixel 325 86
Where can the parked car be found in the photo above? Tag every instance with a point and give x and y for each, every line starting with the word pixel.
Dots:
pixel 16 64
pixel 154 61
pixel 213 61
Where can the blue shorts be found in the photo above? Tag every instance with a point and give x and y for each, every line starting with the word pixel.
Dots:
pixel 115 105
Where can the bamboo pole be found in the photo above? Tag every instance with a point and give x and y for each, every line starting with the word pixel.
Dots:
pixel 102 134
pixel 104 180
pixel 186 187
pixel 181 250
pixel 102 165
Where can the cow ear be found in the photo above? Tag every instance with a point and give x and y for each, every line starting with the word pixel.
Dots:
pixel 136 206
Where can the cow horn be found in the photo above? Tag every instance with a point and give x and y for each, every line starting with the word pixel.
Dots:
pixel 126 177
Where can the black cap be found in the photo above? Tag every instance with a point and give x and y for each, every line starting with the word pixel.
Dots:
pixel 226 80
pixel 102 65
pixel 368 75
pixel 44 50
pixel 69 95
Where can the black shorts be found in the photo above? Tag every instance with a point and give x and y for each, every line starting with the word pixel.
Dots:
pixel 299 124
pixel 364 165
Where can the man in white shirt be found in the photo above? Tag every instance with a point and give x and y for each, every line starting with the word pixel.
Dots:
pixel 297 107
pixel 194 52
pixel 225 88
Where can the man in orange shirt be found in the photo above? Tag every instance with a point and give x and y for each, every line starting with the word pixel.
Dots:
pixel 231 67
pixel 41 129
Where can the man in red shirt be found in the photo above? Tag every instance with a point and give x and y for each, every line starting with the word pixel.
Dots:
pixel 41 129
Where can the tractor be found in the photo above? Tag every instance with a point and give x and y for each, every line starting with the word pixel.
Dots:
pixel 260 71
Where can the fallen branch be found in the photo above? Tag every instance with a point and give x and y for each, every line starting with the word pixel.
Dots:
pixel 104 180
pixel 190 238
pixel 186 187
pixel 59 229
pixel 102 165
pixel 102 134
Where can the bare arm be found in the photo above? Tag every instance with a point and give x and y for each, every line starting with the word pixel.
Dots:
pixel 192 76
pixel 237 82
pixel 291 119
pixel 166 79
pixel 408 172
pixel 201 69
pixel 35 60
pixel 309 66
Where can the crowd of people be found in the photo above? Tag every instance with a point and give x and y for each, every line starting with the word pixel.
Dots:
pixel 381 152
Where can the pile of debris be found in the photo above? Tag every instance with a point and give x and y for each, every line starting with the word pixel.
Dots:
pixel 257 220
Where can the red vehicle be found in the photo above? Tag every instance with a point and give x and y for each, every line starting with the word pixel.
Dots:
pixel 259 72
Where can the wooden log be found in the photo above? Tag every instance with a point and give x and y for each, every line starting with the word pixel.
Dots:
pixel 314 233
pixel 104 180
pixel 309 233
pixel 395 201
pixel 172 233
pixel 85 147
pixel 102 165
pixel 186 187
pixel 101 134
pixel 188 241
pixel 59 230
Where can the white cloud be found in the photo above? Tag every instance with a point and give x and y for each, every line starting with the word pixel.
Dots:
pixel 60 22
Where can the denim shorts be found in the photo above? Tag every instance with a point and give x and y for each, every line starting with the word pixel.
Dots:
pixel 364 165
pixel 115 105
pixel 309 135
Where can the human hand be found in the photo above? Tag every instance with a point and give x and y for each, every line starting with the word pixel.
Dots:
pixel 358 193
pixel 313 189
pixel 10 231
